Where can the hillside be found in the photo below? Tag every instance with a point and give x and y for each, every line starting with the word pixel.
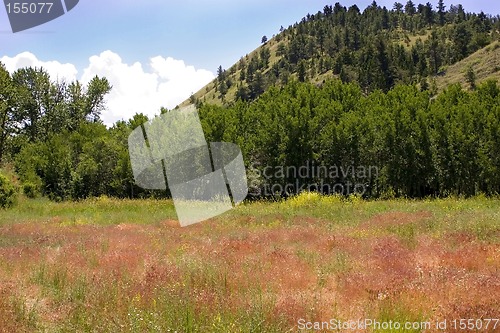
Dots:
pixel 485 63
pixel 376 48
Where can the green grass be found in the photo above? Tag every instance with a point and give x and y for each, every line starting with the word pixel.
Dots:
pixel 400 316
pixel 98 211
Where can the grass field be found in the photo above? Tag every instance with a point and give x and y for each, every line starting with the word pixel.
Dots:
pixel 109 265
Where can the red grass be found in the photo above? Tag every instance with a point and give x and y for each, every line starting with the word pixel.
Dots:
pixel 435 276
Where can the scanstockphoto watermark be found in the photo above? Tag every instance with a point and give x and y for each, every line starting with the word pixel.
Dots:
pixel 327 179
pixel 205 179
pixel 462 324
pixel 27 14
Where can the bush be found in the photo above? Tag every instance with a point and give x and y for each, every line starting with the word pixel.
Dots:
pixel 31 190
pixel 7 192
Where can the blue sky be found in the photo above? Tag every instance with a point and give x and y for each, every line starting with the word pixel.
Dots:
pixel 201 34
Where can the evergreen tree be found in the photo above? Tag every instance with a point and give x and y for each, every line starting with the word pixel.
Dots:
pixel 301 71
pixel 398 7
pixel 435 55
pixel 470 77
pixel 410 8
pixel 428 14
pixel 441 12
pixel 220 74
pixel 242 92
pixel 461 38
pixel 265 55
pixel 257 85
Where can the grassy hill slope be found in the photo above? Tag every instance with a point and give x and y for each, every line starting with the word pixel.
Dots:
pixel 485 62
pixel 377 48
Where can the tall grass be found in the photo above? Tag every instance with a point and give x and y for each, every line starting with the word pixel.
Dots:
pixel 108 265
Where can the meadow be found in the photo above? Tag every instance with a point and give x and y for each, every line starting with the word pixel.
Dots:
pixel 109 265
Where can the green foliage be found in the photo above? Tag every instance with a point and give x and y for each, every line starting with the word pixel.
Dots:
pixel 265 55
pixel 470 77
pixel 417 146
pixel 7 192
pixel 33 108
pixel 8 102
pixel 31 190
pixel 89 162
pixel 301 72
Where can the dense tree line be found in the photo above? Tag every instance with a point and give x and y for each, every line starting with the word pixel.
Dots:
pixel 418 146
pixel 377 47
pixel 52 133
pixel 33 107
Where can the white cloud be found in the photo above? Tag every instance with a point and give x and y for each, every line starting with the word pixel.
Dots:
pixel 135 90
pixel 166 83
pixel 56 70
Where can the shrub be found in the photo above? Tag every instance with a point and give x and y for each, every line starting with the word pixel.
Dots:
pixel 7 192
pixel 31 190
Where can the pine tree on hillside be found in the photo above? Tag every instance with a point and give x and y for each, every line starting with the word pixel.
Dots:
pixel 441 12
